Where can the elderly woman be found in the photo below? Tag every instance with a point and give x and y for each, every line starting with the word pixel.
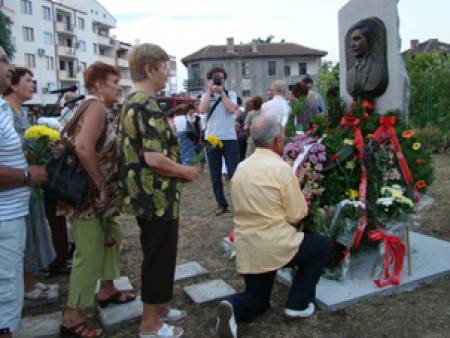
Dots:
pixel 39 251
pixel 96 233
pixel 150 179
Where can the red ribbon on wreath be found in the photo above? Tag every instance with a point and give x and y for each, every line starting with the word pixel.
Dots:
pixel 394 252
pixel 352 121
pixel 387 125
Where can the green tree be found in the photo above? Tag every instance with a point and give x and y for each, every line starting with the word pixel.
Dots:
pixel 430 87
pixel 328 77
pixel 5 35
pixel 268 39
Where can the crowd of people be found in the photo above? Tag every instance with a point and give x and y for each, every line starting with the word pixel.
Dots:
pixel 137 163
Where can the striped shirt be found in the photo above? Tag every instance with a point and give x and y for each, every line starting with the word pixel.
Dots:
pixel 13 202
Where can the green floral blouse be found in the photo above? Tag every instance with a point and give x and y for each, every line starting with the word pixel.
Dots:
pixel 142 191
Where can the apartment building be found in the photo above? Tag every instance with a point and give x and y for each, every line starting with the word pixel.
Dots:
pixel 252 67
pixel 59 39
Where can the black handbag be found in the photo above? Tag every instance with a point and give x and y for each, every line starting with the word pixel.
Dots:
pixel 67 179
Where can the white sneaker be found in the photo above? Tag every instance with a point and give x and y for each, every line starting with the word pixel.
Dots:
pixel 226 326
pixel 293 314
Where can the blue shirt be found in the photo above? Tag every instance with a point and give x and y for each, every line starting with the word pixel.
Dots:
pixel 14 201
pixel 221 122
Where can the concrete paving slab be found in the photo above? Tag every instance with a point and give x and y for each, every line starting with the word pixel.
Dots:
pixel 430 260
pixel 123 284
pixel 53 298
pixel 40 326
pixel 189 270
pixel 115 316
pixel 209 291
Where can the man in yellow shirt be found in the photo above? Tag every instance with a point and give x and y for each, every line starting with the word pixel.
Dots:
pixel 268 203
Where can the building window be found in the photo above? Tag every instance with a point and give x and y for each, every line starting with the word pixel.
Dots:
pixel 272 68
pixel 82 45
pixel 245 69
pixel 218 65
pixel 28 34
pixel 48 38
pixel 49 65
pixel 25 6
pixel 302 68
pixel 81 24
pixel 287 70
pixel 46 13
pixel 62 65
pixel 35 86
pixel 30 60
pixel 246 93
pixel 83 66
pixel 95 48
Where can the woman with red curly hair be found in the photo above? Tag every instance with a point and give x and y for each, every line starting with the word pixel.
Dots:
pixel 96 233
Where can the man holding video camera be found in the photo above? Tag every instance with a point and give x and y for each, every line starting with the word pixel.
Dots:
pixel 219 105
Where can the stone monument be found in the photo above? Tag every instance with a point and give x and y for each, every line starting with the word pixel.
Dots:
pixel 386 80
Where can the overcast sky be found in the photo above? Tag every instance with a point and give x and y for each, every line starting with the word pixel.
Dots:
pixel 182 27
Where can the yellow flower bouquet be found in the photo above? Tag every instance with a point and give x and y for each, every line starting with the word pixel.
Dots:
pixel 37 140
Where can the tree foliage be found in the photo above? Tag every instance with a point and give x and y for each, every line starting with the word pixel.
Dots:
pixel 328 77
pixel 268 39
pixel 5 35
pixel 430 87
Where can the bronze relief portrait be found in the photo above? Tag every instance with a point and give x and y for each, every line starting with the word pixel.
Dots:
pixel 365 49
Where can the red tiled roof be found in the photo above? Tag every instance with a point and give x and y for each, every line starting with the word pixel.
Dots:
pixel 428 46
pixel 245 51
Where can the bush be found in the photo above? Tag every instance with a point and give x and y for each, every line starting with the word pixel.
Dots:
pixel 434 139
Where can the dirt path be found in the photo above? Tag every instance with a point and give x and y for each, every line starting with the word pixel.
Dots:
pixel 425 312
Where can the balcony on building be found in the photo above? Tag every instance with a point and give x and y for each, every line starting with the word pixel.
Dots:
pixel 195 84
pixel 64 22
pixel 124 82
pixel 66 51
pixel 121 62
pixel 67 76
pixel 10 13
pixel 106 59
pixel 122 50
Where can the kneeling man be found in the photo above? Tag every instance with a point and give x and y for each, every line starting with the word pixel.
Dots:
pixel 268 203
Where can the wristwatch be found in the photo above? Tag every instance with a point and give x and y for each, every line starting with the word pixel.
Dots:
pixel 27 177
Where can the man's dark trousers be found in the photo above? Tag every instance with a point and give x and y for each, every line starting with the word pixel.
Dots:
pixel 311 258
pixel 230 151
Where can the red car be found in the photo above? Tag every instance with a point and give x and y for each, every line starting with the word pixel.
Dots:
pixel 169 102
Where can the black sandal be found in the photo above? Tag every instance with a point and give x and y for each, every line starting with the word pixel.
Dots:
pixel 115 298
pixel 79 331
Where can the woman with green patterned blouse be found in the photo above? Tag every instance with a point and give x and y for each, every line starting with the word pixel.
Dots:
pixel 150 181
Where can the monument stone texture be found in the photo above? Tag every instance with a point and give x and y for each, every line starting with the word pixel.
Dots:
pixel 397 93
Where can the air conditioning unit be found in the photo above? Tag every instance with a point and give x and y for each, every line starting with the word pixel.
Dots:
pixel 41 51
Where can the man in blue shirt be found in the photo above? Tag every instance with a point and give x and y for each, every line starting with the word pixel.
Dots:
pixel 219 106
pixel 16 178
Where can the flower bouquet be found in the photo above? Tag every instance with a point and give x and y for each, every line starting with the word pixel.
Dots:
pixel 37 141
pixel 375 170
pixel 213 142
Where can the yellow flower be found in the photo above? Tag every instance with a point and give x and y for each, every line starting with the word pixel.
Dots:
pixel 416 146
pixel 36 132
pixel 215 142
pixel 349 142
pixel 352 194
